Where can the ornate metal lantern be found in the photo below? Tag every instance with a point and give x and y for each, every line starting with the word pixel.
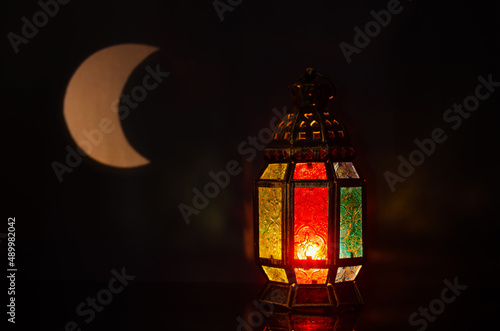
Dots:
pixel 309 204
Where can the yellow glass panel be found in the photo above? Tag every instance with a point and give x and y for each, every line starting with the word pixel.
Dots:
pixel 347 274
pixel 275 171
pixel 270 222
pixel 345 170
pixel 275 274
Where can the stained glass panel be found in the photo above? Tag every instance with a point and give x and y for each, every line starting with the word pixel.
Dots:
pixel 312 296
pixel 270 222
pixel 310 223
pixel 345 170
pixel 276 294
pixel 311 276
pixel 351 234
pixel 310 170
pixel 347 274
pixel 275 274
pixel 275 171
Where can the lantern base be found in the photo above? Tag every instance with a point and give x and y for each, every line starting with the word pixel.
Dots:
pixel 312 297
pixel 347 295
pixel 291 320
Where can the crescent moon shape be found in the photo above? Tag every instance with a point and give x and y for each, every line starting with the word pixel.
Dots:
pixel 91 104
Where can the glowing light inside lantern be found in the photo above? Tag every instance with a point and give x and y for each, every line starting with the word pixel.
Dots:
pixel 310 223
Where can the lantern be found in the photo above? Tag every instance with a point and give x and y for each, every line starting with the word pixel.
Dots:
pixel 309 206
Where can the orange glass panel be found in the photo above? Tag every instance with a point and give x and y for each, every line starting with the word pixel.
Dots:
pixel 311 276
pixel 310 170
pixel 310 223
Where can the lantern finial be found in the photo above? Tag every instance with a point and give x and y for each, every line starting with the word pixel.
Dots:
pixel 310 74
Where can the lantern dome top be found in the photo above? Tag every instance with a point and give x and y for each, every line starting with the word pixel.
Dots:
pixel 309 92
pixel 310 132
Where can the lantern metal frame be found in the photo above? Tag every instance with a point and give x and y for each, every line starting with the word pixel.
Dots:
pixel 295 143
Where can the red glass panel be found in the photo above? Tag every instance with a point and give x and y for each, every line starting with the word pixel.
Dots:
pixel 310 170
pixel 314 323
pixel 312 296
pixel 310 223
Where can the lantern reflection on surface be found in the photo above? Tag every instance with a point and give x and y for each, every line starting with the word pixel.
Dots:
pixel 300 321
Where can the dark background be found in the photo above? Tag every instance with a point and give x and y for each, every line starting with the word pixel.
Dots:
pixel 225 79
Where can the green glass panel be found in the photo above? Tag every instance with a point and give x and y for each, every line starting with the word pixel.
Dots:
pixel 275 171
pixel 347 274
pixel 351 236
pixel 275 274
pixel 270 222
